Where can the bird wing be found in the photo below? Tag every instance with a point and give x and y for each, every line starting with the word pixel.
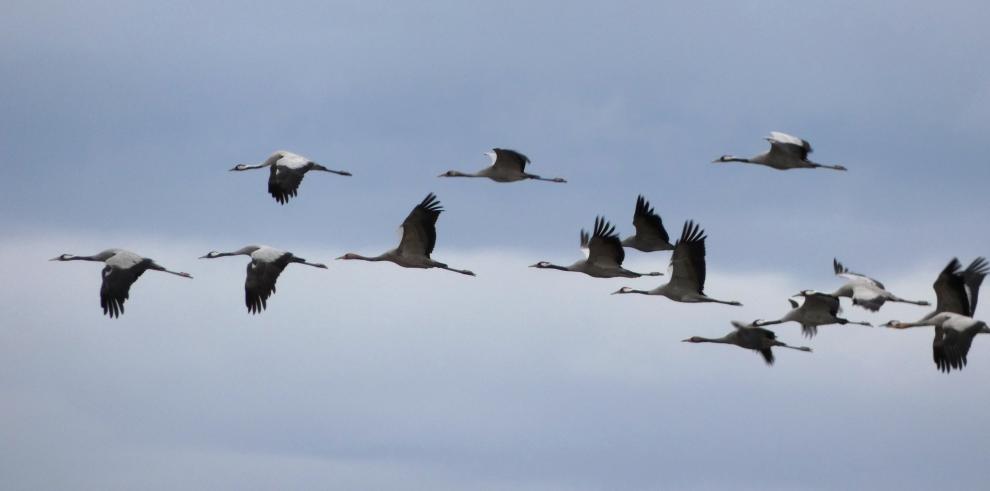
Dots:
pixel 605 248
pixel 293 161
pixel 822 302
pixel 793 303
pixel 647 222
pixel 116 287
pixel 950 290
pixel 419 229
pixel 509 160
pixel 283 182
pixel 585 244
pixel 973 277
pixel 767 355
pixel 782 142
pixel 867 296
pixel 260 282
pixel 950 348
pixel 687 263
pixel 843 272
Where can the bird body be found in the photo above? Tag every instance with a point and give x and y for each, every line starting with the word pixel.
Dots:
pixel 603 255
pixel 818 309
pixel 419 237
pixel 956 292
pixel 687 271
pixel 286 172
pixel 506 166
pixel 267 263
pixel 650 235
pixel 786 152
pixel 864 291
pixel 750 336
pixel 122 268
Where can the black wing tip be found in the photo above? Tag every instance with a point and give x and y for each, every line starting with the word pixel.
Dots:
pixel 692 232
pixel 431 203
pixel 767 356
pixel 838 267
pixel 603 228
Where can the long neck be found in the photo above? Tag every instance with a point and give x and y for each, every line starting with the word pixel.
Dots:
pixel 722 340
pixel 555 266
pixel 631 290
pixel 84 258
pixel 250 166
pixel 359 257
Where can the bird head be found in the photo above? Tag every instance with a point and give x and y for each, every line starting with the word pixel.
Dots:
pixel 63 257
pixel 804 293
pixel 692 339
pixel 349 255
pixel 724 158
pixel 624 289
pixel 541 264
pixel 893 324
pixel 452 173
pixel 210 255
pixel 239 167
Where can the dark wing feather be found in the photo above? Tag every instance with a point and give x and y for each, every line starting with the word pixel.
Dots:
pixel 419 229
pixel 648 224
pixel 116 286
pixel 688 259
pixel 283 183
pixel 510 159
pixel 260 282
pixel 809 331
pixel 767 355
pixel 973 277
pixel 823 302
pixel 793 303
pixel 950 348
pixel 605 248
pixel 950 290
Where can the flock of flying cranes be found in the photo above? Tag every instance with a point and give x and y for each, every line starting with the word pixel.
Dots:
pixel 956 289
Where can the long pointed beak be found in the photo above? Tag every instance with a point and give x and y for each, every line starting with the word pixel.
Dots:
pixel 686 340
pixel 205 257
pixel 336 258
pixel 55 258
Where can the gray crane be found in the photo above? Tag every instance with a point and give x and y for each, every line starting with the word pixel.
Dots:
pixel 267 263
pixel 818 309
pixel 650 235
pixel 122 268
pixel 786 152
pixel 419 236
pixel 285 172
pixel 750 336
pixel 686 271
pixel 956 293
pixel 603 255
pixel 506 166
pixel 864 291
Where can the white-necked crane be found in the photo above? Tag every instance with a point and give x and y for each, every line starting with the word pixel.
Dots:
pixel 650 235
pixel 956 293
pixel 419 236
pixel 818 309
pixel 603 255
pixel 262 272
pixel 506 166
pixel 285 172
pixel 786 152
pixel 864 291
pixel 122 268
pixel 686 271
pixel 750 336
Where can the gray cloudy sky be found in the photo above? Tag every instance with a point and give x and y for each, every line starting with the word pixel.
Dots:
pixel 120 120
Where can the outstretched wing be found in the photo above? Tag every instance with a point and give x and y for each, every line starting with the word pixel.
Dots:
pixel 843 272
pixel 260 282
pixel 950 290
pixel 782 142
pixel 973 277
pixel 419 229
pixel 116 287
pixel 605 248
pixel 510 160
pixel 950 348
pixel 283 182
pixel 648 224
pixel 822 302
pixel 687 263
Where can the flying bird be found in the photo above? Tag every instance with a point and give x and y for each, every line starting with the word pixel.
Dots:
pixel 818 309
pixel 750 336
pixel 419 236
pixel 864 291
pixel 286 172
pixel 266 265
pixel 506 166
pixel 650 235
pixel 686 271
pixel 122 269
pixel 786 152
pixel 956 293
pixel 603 255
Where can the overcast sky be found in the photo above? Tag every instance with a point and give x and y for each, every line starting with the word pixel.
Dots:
pixel 120 120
